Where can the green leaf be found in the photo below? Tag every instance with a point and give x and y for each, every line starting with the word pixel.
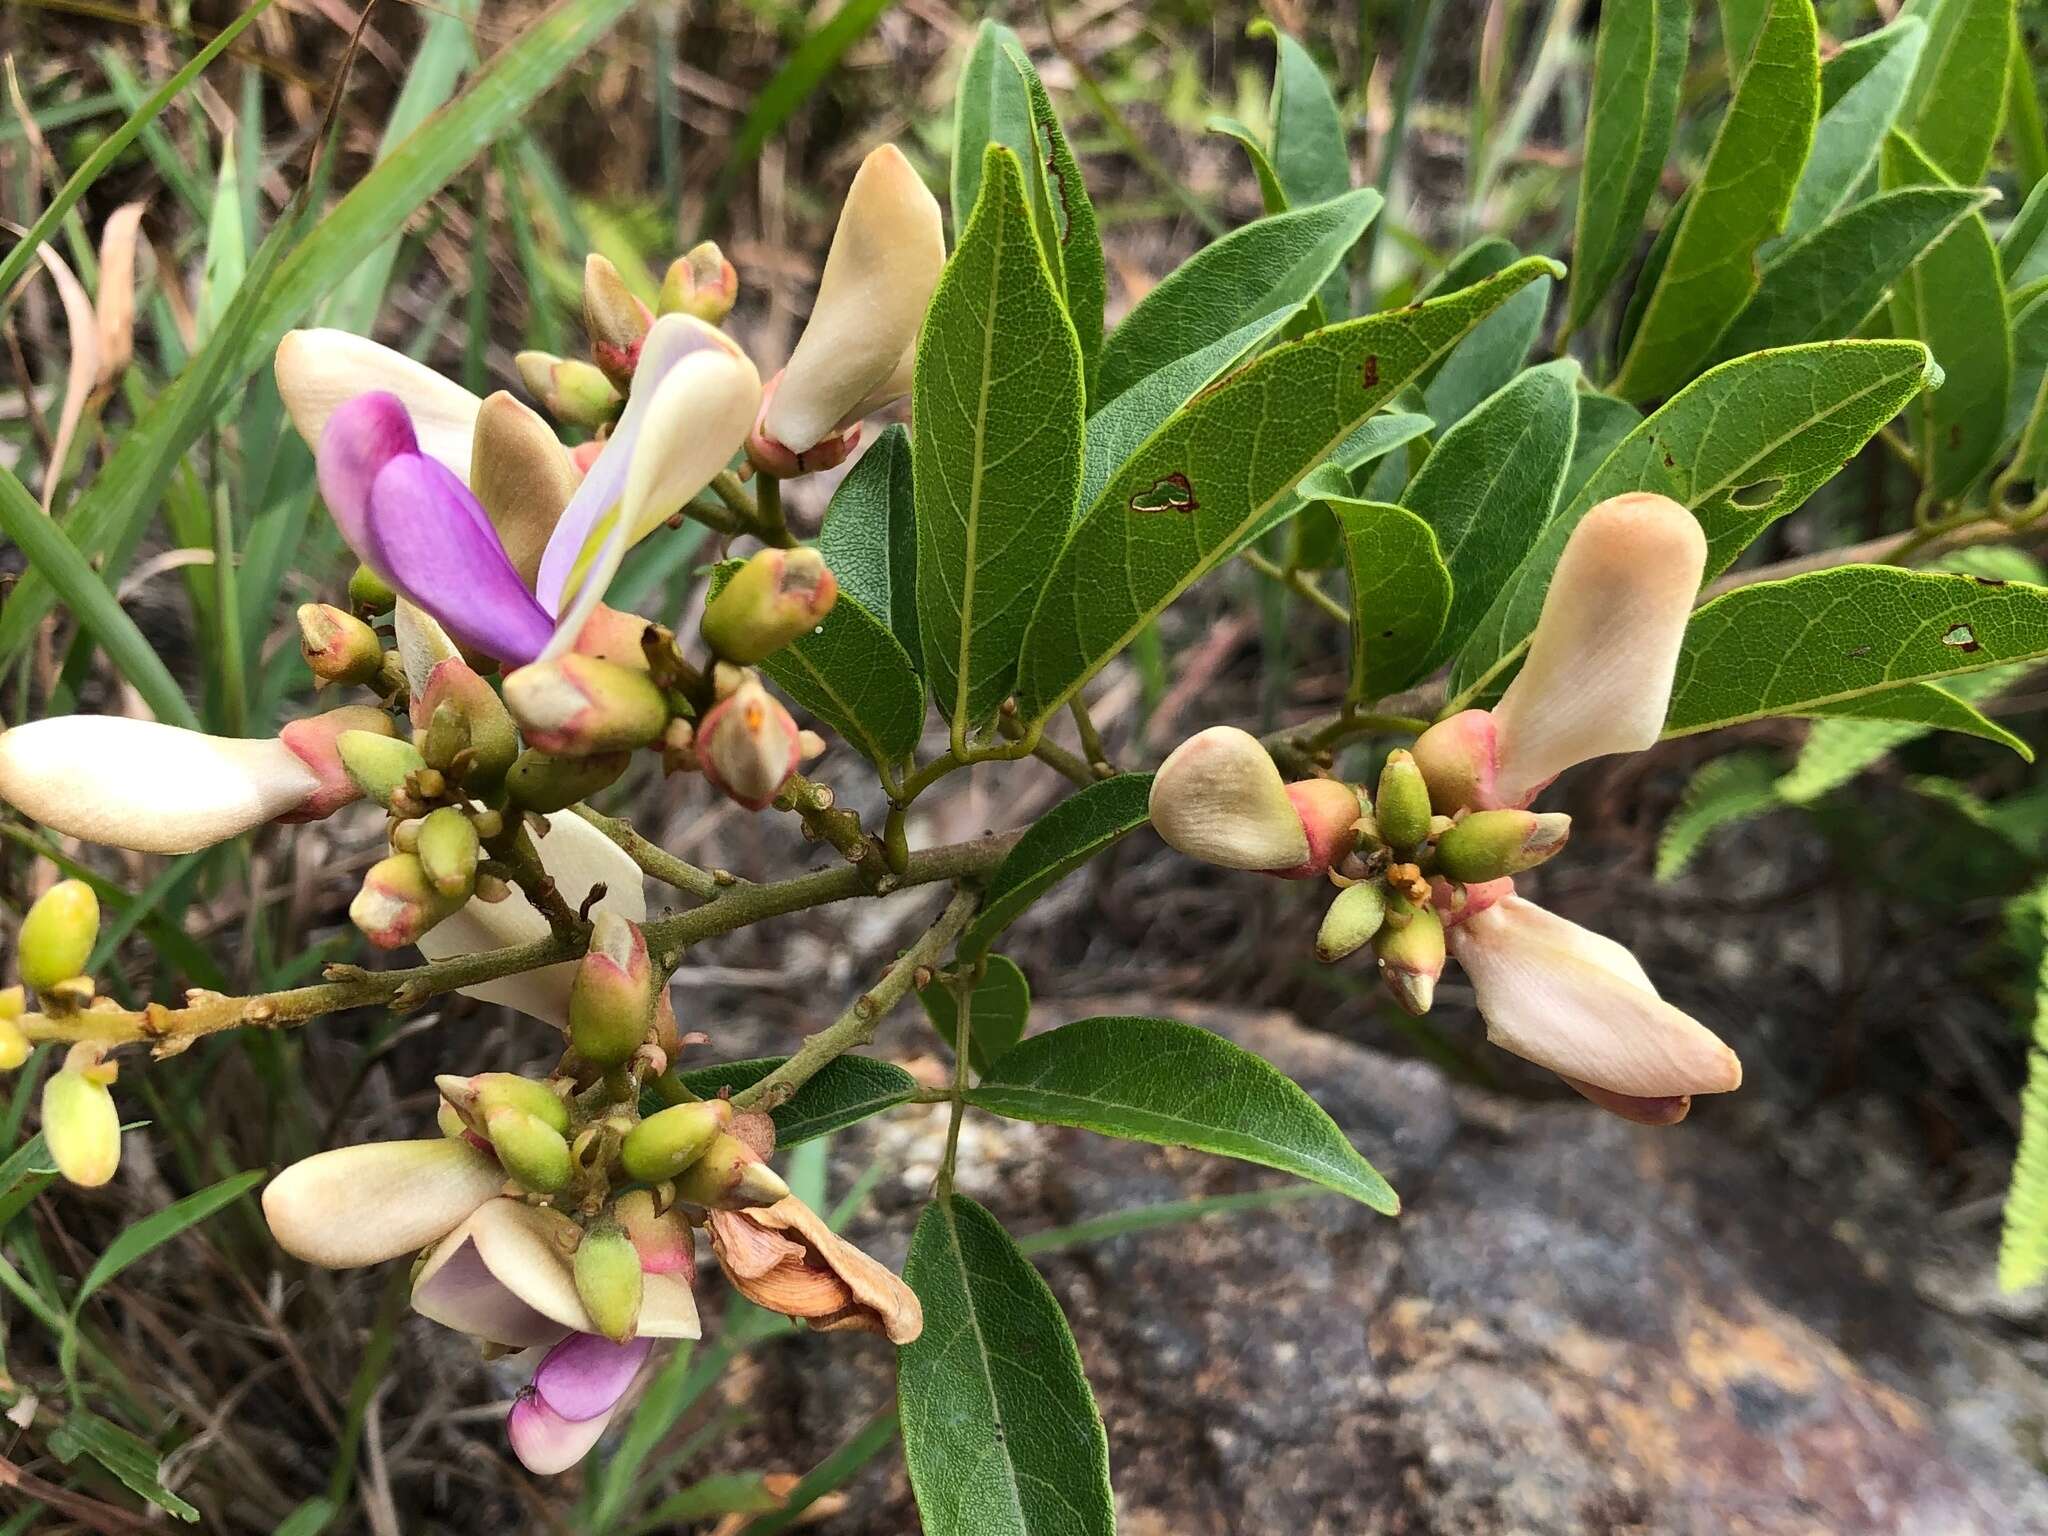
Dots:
pixel 1742 446
pixel 2023 248
pixel 1001 1008
pixel 227 250
pixel 1000 1432
pixel 1188 496
pixel 158 1228
pixel 1489 487
pixel 1638 62
pixel 1076 249
pixel 57 560
pixel 1927 708
pixel 1852 128
pixel 85 1433
pixel 1724 791
pixel 1827 284
pixel 995 450
pixel 2026 411
pixel 869 536
pixel 1400 594
pixel 1954 301
pixel 845 1090
pixel 1487 359
pixel 1351 459
pixel 1175 1085
pixel 1603 422
pixel 2023 1242
pixel 1841 746
pixel 1270 263
pixel 1053 847
pixel 1740 202
pixel 852 674
pixel 1741 22
pixel 992 105
pixel 1651 272
pixel 1310 154
pixel 1957 99
pixel 1272 196
pixel 1808 643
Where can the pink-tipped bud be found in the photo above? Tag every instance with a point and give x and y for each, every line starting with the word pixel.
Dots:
pixel 730 1176
pixel 700 283
pixel 1460 761
pixel 612 634
pixel 611 1004
pixel 338 646
pixel 378 765
pixel 768 454
pixel 777 596
pixel 661 1238
pixel 578 706
pixel 1410 949
pixel 608 1280
pixel 398 903
pixel 615 320
pixel 1329 820
pixel 748 746
pixel 1490 845
pixel 58 934
pixel 1456 903
pixel 492 739
pixel 574 392
pixel 81 1127
pixel 316 742
pixel 541 781
pixel 667 1142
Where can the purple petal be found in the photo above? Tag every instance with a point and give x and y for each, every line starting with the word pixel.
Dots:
pixel 586 1374
pixel 544 1441
pixel 437 548
pixel 362 436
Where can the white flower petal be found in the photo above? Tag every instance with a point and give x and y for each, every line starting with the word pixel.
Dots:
pixel 368 1203
pixel 1580 1004
pixel 579 857
pixel 516 1246
pixel 317 370
pixel 668 1309
pixel 144 785
pixel 1598 675
pixel 1218 798
pixel 421 642
pixel 879 276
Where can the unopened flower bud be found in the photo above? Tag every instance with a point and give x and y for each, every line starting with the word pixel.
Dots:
pixel 730 1176
pixel 13 1002
pixel 1460 759
pixel 1328 810
pixel 611 1003
pixel 58 934
pixel 1410 948
pixel 338 646
pixel 533 1152
pixel 776 459
pixel 1218 798
pixel 14 1045
pixel 616 321
pixel 576 706
pixel 81 1127
pixel 370 593
pixel 608 1280
pixel 491 738
pixel 661 1238
pixel 378 765
pixel 700 282
pixel 474 1098
pixel 541 781
pixel 398 902
pixel 1488 845
pixel 747 746
pixel 777 596
pixel 448 851
pixel 1401 808
pixel 670 1140
pixel 1352 921
pixel 573 391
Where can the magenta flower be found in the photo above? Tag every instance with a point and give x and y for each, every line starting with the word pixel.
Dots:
pixel 575 1390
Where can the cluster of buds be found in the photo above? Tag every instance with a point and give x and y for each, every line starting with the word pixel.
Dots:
pixel 1426 867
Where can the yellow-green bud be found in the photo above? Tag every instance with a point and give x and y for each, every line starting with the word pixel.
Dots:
pixel 445 738
pixel 700 282
pixel 542 781
pixel 608 1281
pixel 378 765
pixel 338 647
pixel 448 850
pixel 1401 808
pixel 1354 917
pixel 611 1004
pixel 1410 948
pixel 533 1152
pixel 58 934
pixel 616 321
pixel 1487 845
pixel 730 1176
pixel 776 597
pixel 473 1098
pixel 492 740
pixel 81 1127
pixel 577 706
pixel 398 902
pixel 573 391
pixel 14 1045
pixel 13 1002
pixel 370 593
pixel 670 1140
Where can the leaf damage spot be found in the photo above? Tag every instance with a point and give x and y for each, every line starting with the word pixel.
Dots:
pixel 1989 581
pixel 1962 637
pixel 1369 375
pixel 1169 493
pixel 1859 651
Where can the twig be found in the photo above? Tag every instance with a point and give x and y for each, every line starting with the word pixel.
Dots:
pixel 963 1041
pixel 653 861
pixel 1299 582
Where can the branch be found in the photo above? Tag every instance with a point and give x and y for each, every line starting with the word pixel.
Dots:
pixel 653 860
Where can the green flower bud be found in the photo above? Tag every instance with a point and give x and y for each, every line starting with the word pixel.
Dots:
pixel 370 593
pixel 533 1152
pixel 398 902
pixel 1486 845
pixel 492 740
pixel 612 1001
pixel 1410 948
pixel 730 1176
pixel 1354 917
pixel 81 1127
pixel 578 706
pixel 700 282
pixel 608 1280
pixel 58 934
pixel 574 392
pixel 13 1002
pixel 1402 805
pixel 378 765
pixel 448 851
pixel 776 597
pixel 541 781
pixel 616 321
pixel 473 1098
pixel 445 738
pixel 338 646
pixel 667 1142
pixel 14 1045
